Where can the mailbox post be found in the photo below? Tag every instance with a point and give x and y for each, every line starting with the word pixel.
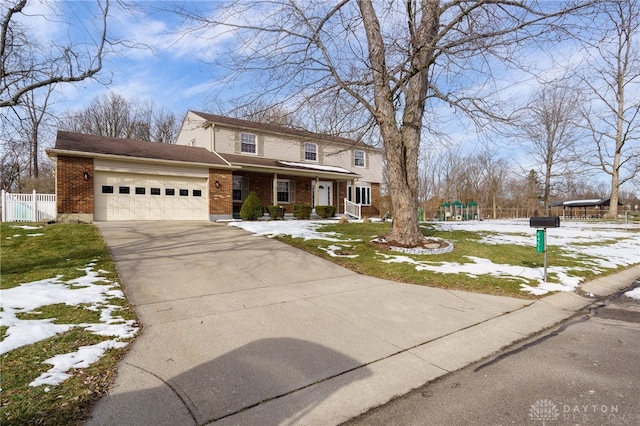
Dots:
pixel 542 223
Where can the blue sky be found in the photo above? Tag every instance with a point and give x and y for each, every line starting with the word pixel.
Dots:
pixel 160 63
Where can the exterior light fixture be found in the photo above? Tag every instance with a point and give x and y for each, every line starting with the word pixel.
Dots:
pixel 218 184
pixel 86 175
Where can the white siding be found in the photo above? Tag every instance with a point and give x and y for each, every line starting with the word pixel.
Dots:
pixel 224 140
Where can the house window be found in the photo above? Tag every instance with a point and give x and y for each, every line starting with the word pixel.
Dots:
pixel 248 143
pixel 184 192
pixel 124 190
pixel 360 195
pixel 107 189
pixel 197 193
pixel 140 190
pixel 359 156
pixel 283 191
pixel 310 151
pixel 155 191
pixel 169 191
pixel 240 188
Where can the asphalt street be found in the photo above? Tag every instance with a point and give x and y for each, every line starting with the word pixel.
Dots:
pixel 585 371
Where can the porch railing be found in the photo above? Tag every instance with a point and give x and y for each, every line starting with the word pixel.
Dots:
pixel 353 209
pixel 28 207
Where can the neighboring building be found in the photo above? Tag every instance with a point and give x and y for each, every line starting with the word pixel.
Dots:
pixel 216 162
pixel 585 209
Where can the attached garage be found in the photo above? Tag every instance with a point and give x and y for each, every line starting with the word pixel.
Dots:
pixel 128 196
pixel 112 179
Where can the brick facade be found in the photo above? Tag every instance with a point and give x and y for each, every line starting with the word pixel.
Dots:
pixel 74 193
pixel 220 203
pixel 262 185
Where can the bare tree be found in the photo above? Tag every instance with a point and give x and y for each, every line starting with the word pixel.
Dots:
pixel 612 76
pixel 395 59
pixel 25 65
pixel 551 126
pixel 495 171
pixel 25 128
pixel 114 116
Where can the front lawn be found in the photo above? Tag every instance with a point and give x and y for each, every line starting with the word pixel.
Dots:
pixel 65 322
pixel 493 257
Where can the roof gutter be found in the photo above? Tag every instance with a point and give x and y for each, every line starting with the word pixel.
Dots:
pixel 54 153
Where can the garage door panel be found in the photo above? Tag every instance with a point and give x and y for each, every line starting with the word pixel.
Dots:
pixel 153 199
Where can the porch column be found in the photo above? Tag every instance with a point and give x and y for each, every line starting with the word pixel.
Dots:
pixel 351 193
pixel 316 191
pixel 274 200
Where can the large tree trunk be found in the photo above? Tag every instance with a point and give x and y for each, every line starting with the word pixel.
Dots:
pixel 402 140
pixel 403 188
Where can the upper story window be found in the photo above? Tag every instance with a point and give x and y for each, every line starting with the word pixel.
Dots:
pixel 310 151
pixel 248 143
pixel 359 158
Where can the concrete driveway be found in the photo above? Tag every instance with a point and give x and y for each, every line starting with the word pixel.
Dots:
pixel 240 329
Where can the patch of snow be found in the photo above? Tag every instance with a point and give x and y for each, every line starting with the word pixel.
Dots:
pixel 82 358
pixel 304 229
pixel 332 249
pixel 34 235
pixel 91 289
pixel 634 294
pixel 316 167
pixel 27 227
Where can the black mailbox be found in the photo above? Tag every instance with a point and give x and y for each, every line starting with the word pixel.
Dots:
pixel 545 222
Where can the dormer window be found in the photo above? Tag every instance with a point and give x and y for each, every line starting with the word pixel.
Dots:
pixel 248 143
pixel 310 151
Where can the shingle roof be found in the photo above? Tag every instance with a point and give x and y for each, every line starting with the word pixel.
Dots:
pixel 584 203
pixel 246 160
pixel 93 144
pixel 274 128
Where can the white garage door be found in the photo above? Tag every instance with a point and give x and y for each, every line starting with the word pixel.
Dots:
pixel 131 196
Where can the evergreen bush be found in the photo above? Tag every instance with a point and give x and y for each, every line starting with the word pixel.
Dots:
pixel 251 208
pixel 325 211
pixel 302 211
pixel 276 212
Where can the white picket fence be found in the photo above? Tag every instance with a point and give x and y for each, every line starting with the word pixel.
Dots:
pixel 28 207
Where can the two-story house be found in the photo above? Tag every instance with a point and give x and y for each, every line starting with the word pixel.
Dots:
pixel 208 173
pixel 286 166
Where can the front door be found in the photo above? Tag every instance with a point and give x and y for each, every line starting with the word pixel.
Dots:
pixel 324 193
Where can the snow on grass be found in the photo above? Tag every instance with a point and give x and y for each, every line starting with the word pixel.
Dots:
pixel 333 250
pixel 607 245
pixel 304 229
pixel 480 266
pixel 90 289
pixel 82 358
pixel 26 227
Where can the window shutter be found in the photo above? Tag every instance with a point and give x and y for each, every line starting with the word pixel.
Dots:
pixel 236 138
pixel 292 191
pixel 353 158
pixel 320 154
pixel 245 187
pixel 366 159
pixel 302 152
pixel 260 147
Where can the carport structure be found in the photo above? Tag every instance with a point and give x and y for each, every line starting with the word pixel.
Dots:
pixel 585 209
